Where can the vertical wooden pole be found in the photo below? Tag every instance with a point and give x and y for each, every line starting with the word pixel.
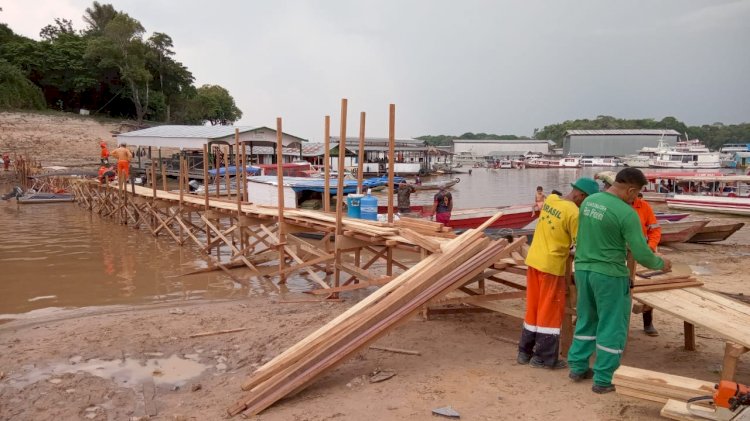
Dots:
pixel 163 173
pixel 217 164
pixel 340 195
pixel 226 171
pixel 689 336
pixel 391 158
pixel 182 180
pixel 153 178
pixel 361 153
pixel 205 192
pixel 327 165
pixel 245 195
pixel 280 181
pixel 238 168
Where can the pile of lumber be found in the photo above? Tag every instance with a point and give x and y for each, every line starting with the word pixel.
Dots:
pixel 650 281
pixel 658 387
pixel 459 261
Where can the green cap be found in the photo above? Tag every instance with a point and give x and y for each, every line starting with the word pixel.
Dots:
pixel 586 185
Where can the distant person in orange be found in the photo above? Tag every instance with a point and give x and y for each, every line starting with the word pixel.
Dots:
pixel 106 174
pixel 652 232
pixel 123 156
pixel 6 162
pixel 105 153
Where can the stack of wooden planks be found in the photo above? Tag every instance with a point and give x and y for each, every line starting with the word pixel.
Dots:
pixel 650 281
pixel 658 387
pixel 460 260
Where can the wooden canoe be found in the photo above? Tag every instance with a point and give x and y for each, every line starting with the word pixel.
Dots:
pixel 436 186
pixel 713 233
pixel 680 232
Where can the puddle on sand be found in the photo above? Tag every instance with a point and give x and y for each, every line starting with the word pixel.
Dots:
pixel 700 270
pixel 172 371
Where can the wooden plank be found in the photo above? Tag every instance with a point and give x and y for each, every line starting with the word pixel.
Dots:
pixel 502 308
pixel 676 410
pixel 327 165
pixel 642 379
pixel 422 241
pixel 361 285
pixel 665 287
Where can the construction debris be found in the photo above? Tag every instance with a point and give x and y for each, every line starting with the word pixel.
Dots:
pixel 446 411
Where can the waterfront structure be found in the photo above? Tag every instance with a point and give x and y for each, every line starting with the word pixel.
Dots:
pixel 614 142
pixel 501 148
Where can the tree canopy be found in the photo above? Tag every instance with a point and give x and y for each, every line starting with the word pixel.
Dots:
pixel 112 67
pixel 444 140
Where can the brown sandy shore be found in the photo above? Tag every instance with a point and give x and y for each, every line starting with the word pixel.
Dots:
pixel 466 361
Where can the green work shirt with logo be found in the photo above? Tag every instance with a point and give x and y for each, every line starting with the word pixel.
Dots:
pixel 607 227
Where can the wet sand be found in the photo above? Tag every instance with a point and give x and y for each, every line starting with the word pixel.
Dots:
pixel 90 361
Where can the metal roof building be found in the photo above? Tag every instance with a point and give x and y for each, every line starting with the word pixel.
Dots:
pixel 194 137
pixel 619 142
pixel 492 147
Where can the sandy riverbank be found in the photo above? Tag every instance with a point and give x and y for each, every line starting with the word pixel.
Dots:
pixel 467 361
pixel 49 364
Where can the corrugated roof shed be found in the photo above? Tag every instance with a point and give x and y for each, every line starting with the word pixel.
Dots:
pixel 194 137
pixel 624 132
pixel 501 141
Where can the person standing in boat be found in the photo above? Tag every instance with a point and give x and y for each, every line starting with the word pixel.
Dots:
pixel 442 205
pixel 404 195
pixel 554 235
pixel 539 198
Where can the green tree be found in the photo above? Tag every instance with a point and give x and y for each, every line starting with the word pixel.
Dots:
pixel 98 16
pixel 121 46
pixel 16 91
pixel 61 26
pixel 214 104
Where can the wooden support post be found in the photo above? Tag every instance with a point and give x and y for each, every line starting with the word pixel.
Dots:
pixel 163 173
pixel 340 195
pixel 689 336
pixel 566 334
pixel 153 178
pixel 217 164
pixel 391 158
pixel 183 179
pixel 205 191
pixel 732 353
pixel 226 172
pixel 280 181
pixel 237 165
pixel 245 197
pixel 361 153
pixel 327 165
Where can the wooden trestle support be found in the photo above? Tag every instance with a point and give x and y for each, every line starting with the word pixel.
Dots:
pixel 246 235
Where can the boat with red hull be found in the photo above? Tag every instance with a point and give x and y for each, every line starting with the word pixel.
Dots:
pixel 514 217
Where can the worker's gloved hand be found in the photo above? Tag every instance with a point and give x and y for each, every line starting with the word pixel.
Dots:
pixel 667 265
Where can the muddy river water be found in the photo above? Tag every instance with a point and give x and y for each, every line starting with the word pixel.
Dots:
pixel 59 256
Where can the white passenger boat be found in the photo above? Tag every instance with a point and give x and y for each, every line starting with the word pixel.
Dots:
pixel 727 194
pixel 645 155
pixel 565 162
pixel 599 162
pixel 687 154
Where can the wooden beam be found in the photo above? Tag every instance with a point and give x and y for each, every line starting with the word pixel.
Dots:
pixel 280 191
pixel 327 165
pixel 391 157
pixel 340 191
pixel 361 153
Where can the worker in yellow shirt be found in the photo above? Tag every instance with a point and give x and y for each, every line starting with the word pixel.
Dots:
pixel 554 235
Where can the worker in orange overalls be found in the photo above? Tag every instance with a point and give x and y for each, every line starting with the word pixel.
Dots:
pixel 123 156
pixel 105 153
pixel 652 232
pixel 554 235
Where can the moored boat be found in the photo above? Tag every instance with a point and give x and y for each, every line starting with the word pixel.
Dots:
pixel 679 232
pixel 514 216
pixel 725 194
pixel 436 186
pixel 687 154
pixel 714 204
pixel 566 162
pixel 31 198
pixel 714 233
pixel 671 217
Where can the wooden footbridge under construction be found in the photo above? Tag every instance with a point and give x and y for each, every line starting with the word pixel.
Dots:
pixel 420 266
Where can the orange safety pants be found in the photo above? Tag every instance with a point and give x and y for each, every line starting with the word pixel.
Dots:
pixel 545 307
pixel 123 166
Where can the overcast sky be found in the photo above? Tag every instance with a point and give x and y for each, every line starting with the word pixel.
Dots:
pixel 503 67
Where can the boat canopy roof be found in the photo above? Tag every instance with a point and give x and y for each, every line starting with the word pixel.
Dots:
pixel 723 179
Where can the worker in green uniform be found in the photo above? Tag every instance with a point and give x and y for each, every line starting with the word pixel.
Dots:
pixel 607 227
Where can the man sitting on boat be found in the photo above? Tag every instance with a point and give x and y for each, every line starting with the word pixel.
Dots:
pixel 442 205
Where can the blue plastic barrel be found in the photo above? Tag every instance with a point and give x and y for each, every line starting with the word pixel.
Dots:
pixel 369 207
pixel 353 205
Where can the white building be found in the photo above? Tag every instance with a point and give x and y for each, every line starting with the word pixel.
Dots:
pixel 491 147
